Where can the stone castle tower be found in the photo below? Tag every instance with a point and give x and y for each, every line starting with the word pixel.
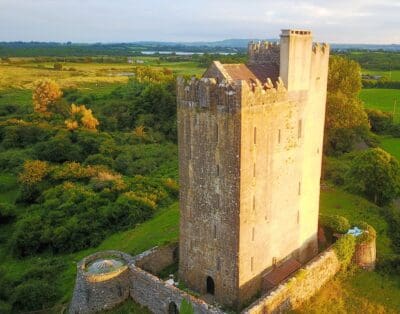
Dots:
pixel 250 148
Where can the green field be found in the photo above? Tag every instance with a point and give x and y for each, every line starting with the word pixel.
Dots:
pixel 382 99
pixel 391 145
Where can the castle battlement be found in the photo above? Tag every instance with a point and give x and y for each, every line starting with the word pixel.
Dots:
pixel 321 48
pixel 208 93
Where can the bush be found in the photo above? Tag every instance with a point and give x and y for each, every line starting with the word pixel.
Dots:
pixel 99 159
pixel 334 169
pixel 33 295
pixel 12 160
pixel 20 136
pixel 381 122
pixel 344 249
pixel 59 149
pixel 7 213
pixel 336 223
pixel 368 234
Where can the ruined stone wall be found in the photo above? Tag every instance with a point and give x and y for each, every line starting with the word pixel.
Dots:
pixel 94 293
pixel 300 287
pixel 156 295
pixel 158 258
pixel 209 141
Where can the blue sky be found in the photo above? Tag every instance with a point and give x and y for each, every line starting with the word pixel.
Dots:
pixel 339 21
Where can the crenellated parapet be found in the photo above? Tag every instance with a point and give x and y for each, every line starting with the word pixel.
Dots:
pixel 264 52
pixel 206 93
pixel 321 49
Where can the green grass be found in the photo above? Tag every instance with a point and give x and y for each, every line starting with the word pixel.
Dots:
pixel 15 97
pixel 8 188
pixel 391 145
pixel 361 292
pixel 382 99
pixel 337 202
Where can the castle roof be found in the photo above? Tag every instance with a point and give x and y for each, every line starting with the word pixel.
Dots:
pixel 240 71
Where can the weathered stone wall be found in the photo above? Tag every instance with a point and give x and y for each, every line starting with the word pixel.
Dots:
pixel 365 254
pixel 156 295
pixel 94 293
pixel 209 141
pixel 249 162
pixel 298 288
pixel 158 258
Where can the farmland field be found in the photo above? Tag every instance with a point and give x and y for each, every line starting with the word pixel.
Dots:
pixel 382 99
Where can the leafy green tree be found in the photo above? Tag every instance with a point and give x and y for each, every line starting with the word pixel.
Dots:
pixel 375 174
pixel 345 120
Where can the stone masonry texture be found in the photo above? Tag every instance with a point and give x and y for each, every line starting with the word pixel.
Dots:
pixel 250 149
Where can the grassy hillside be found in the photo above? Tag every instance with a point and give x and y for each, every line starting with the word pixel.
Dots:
pixel 357 291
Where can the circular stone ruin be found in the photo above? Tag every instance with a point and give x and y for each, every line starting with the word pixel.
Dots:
pixel 102 282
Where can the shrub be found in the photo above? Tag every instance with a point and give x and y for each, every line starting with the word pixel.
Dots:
pixel 7 213
pixel 334 169
pixel 99 159
pixel 380 122
pixel 23 135
pixel 344 249
pixel 368 234
pixel 12 160
pixel 335 223
pixel 172 186
pixel 34 172
pixel 33 295
pixel 59 149
pixel 186 307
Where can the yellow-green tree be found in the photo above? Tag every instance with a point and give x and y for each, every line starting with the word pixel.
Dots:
pixel 345 119
pixel 46 95
pixel 80 115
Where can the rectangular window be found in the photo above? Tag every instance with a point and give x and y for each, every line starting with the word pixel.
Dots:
pixel 252 234
pixel 217 170
pixel 279 135
pixel 252 263
pixel 298 216
pixel 218 264
pixel 217 201
pixel 299 188
pixel 254 202
pixel 254 170
pixel 216 133
pixel 255 135
pixel 299 129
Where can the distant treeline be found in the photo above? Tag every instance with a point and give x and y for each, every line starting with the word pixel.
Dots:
pixel 38 49
pixel 375 60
